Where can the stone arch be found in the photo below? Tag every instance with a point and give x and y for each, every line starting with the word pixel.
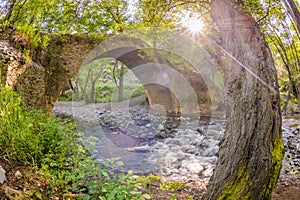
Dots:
pixel 174 89
pixel 65 54
pixel 134 51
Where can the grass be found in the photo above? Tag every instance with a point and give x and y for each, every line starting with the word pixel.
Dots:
pixel 53 148
pixel 59 164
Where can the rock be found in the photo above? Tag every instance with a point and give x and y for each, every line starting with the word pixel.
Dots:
pixel 101 112
pixel 198 141
pixel 200 130
pixel 189 149
pixel 175 141
pixel 215 134
pixel 18 174
pixel 211 151
pixel 161 127
pixel 212 123
pixel 14 194
pixel 2 175
pixel 165 134
pixel 193 166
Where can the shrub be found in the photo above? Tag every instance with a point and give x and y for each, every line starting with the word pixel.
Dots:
pixel 29 136
pixel 53 147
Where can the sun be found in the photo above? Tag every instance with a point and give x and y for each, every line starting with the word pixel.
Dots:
pixel 192 22
pixel 194 25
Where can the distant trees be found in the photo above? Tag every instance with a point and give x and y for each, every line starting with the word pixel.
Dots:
pixel 88 78
pixel 69 16
pixel 100 74
pixel 280 28
pixel 118 72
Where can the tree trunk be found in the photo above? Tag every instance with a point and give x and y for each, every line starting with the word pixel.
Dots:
pixel 294 11
pixel 298 107
pixel 288 97
pixel 251 152
pixel 9 12
pixel 93 89
pixel 121 83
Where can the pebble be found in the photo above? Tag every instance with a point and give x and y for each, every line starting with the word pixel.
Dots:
pixel 18 174
pixel 182 150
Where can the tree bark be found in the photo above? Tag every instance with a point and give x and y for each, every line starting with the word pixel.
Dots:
pixel 93 87
pixel 294 11
pixel 288 97
pixel 251 152
pixel 121 84
pixel 9 12
pixel 298 107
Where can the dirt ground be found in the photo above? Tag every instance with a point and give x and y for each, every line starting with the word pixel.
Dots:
pixel 285 190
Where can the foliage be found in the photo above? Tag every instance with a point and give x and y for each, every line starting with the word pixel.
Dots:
pixel 138 92
pixel 65 16
pixel 283 38
pixel 106 92
pixel 29 136
pixel 53 147
pixel 173 186
pixel 100 81
pixel 284 84
pixel 36 39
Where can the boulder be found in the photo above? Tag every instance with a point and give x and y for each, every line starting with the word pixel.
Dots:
pixel 2 175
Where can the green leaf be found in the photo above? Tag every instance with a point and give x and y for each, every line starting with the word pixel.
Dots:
pixel 105 174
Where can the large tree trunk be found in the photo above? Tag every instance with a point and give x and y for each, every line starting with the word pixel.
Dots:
pixel 252 149
pixel 298 93
pixel 294 11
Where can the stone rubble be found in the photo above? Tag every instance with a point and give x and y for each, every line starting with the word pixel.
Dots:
pixel 146 142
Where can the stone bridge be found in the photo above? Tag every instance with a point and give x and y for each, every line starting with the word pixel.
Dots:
pixel 40 76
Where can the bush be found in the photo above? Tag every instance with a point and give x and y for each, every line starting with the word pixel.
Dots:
pixel 104 93
pixel 30 136
pixel 53 147
pixel 138 92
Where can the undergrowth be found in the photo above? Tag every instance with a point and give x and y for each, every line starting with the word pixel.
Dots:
pixel 54 149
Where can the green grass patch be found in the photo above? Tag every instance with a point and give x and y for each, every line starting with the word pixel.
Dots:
pixel 61 160
pixel 54 149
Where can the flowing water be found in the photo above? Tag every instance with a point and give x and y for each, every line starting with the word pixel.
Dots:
pixel 147 142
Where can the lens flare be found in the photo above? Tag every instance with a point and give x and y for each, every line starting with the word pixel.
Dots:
pixel 191 21
pixel 194 25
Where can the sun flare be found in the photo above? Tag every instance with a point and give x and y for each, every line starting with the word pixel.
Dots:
pixel 194 25
pixel 192 22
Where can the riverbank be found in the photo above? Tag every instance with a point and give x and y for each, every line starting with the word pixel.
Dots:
pixel 184 165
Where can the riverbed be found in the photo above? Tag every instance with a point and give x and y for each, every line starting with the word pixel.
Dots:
pixel 177 149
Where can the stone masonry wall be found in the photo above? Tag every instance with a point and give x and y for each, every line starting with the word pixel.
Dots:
pixel 41 80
